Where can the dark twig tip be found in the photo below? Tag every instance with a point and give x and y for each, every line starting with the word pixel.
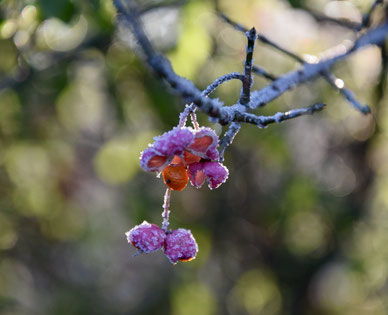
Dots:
pixel 251 34
pixel 319 106
pixel 365 110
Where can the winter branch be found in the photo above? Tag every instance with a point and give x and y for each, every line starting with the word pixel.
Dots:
pixel 237 113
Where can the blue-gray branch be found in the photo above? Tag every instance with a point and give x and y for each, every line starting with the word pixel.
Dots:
pixel 237 113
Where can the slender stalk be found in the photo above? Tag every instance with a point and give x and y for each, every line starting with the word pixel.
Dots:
pixel 166 211
pixel 194 121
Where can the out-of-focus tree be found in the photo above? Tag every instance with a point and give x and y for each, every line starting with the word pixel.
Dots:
pixel 298 228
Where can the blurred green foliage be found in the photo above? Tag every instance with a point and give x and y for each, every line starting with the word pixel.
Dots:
pixel 61 9
pixel 300 227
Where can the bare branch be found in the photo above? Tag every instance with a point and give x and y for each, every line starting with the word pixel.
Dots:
pixel 319 17
pixel 265 40
pixel 236 25
pixel 261 38
pixel 248 80
pixel 220 80
pixel 367 16
pixel 228 138
pixel 156 6
pixel 263 121
pixel 263 73
pixel 310 71
pixel 237 113
pixel 347 93
pixel 339 85
pixel 130 18
pixel 210 88
pixel 163 67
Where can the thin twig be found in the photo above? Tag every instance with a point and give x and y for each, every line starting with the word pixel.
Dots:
pixel 263 121
pixel 161 5
pixel 236 25
pixel 206 92
pixel 340 86
pixel 209 89
pixel 228 138
pixel 367 16
pixel 267 41
pixel 330 78
pixel 261 38
pixel 163 67
pixel 263 73
pixel 131 19
pixel 245 96
pixel 248 80
pixel 319 17
pixel 310 71
pixel 226 77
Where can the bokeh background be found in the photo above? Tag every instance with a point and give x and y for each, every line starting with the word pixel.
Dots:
pixel 301 225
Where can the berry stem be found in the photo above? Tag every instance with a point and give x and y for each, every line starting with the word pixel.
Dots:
pixel 189 110
pixel 194 121
pixel 183 115
pixel 166 211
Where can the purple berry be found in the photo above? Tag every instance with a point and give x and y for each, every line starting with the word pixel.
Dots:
pixel 146 237
pixel 174 142
pixel 180 245
pixel 215 173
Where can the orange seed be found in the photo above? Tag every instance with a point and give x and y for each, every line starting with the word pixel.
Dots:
pixel 175 177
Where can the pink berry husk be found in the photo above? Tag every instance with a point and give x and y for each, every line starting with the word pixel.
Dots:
pixel 153 161
pixel 215 173
pixel 180 245
pixel 204 144
pixel 196 175
pixel 174 142
pixel 213 154
pixel 146 237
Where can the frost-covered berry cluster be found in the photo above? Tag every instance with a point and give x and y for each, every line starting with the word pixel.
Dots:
pixel 181 155
pixel 178 245
pixel 193 150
